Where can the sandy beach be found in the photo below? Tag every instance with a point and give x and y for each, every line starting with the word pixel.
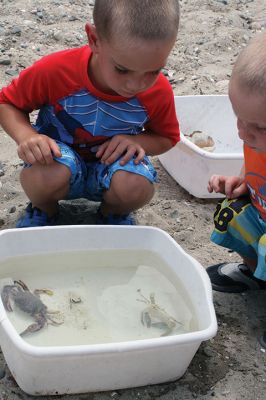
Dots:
pixel 231 366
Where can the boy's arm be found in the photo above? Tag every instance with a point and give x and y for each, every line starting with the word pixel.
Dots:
pixel 32 147
pixel 129 146
pixel 152 143
pixel 15 122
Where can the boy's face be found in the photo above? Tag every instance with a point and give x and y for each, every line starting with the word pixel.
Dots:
pixel 250 110
pixel 126 69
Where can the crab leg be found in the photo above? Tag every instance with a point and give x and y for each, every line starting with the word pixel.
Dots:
pixel 49 292
pixel 53 322
pixel 21 284
pixel 33 327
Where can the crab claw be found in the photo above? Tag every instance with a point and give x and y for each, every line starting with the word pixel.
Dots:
pixel 5 296
pixel 38 325
pixel 146 319
pixel 32 328
pixel 22 285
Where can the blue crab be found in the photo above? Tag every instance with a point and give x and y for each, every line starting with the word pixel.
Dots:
pixel 30 303
pixel 155 316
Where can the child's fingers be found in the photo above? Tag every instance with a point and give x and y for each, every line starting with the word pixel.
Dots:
pixel 26 156
pixel 228 187
pixel 102 149
pixel 108 158
pixel 209 188
pixel 140 156
pixel 216 183
pixel 109 150
pixel 54 148
pixel 42 151
pixel 239 191
pixel 38 149
pixel 46 152
pixel 30 153
pixel 38 154
pixel 33 155
pixel 131 151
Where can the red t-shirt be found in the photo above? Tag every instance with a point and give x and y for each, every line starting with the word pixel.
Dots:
pixel 73 111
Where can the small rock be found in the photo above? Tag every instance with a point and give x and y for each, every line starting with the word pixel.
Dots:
pixel 174 214
pixel 2 370
pixel 11 72
pixel 1 165
pixel 39 14
pixel 72 18
pixel 115 395
pixel 171 73
pixel 225 2
pixel 5 61
pixel 208 352
pixel 16 30
pixel 57 36
pixel 12 209
pixel 225 392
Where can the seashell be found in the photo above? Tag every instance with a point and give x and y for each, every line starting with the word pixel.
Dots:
pixel 202 140
pixel 74 299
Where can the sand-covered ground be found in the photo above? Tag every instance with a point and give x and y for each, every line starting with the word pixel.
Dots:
pixel 232 366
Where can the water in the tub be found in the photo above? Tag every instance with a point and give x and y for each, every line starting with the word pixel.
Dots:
pixel 90 297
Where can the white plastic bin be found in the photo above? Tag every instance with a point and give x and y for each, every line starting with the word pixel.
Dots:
pixel 192 166
pixel 89 368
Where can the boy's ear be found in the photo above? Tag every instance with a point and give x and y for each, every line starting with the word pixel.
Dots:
pixel 92 36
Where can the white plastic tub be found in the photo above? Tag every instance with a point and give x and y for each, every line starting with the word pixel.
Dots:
pixel 110 366
pixel 192 166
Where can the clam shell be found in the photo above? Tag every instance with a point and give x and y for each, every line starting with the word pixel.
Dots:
pixel 202 140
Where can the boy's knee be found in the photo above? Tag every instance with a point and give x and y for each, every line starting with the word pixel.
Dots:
pixel 131 187
pixel 46 177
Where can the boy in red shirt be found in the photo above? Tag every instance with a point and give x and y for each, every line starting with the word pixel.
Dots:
pixel 103 109
pixel 240 220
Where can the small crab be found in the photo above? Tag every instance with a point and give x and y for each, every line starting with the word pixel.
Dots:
pixel 155 316
pixel 202 140
pixel 30 303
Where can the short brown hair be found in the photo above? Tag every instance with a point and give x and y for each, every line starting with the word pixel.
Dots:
pixel 141 19
pixel 250 65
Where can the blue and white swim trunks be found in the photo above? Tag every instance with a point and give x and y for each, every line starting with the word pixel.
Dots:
pixel 90 180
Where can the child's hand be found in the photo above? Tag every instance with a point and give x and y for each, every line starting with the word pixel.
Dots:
pixel 231 186
pixel 38 148
pixel 119 145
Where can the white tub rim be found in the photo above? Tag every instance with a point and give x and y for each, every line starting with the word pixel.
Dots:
pixel 208 154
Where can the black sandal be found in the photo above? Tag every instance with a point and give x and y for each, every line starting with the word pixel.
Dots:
pixel 233 278
pixel 262 340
